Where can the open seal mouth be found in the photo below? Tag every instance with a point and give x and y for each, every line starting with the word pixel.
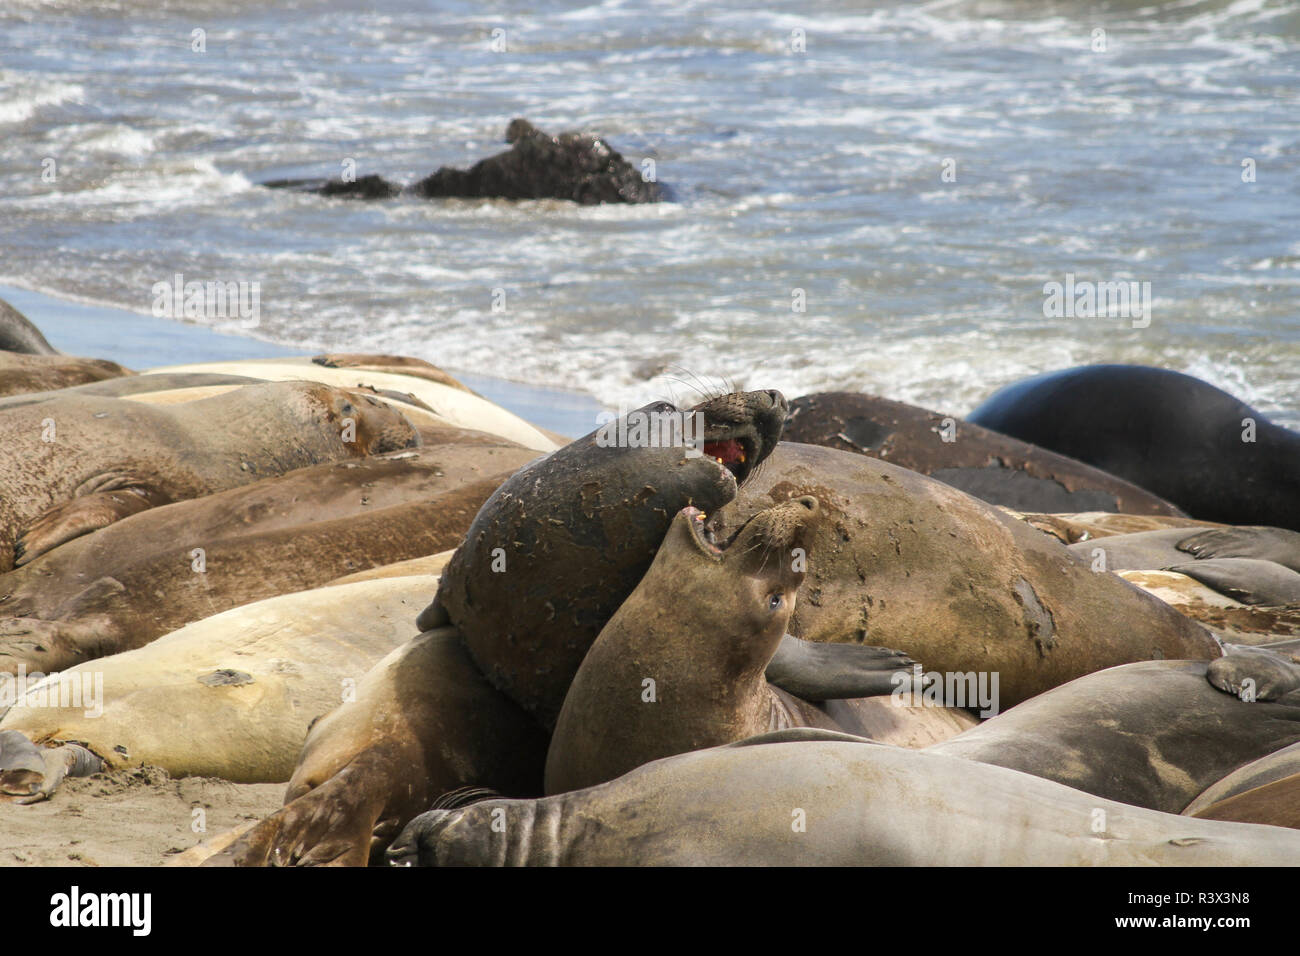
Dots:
pixel 735 452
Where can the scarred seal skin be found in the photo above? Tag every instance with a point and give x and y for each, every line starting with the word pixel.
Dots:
pixel 904 561
pixel 560 545
pixel 995 468
pixel 67 458
pixel 808 797
pixel 1194 445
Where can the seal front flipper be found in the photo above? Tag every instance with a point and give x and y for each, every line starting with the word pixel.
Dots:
pixel 1266 544
pixel 23 764
pixel 819 671
pixel 1248 580
pixel 82 515
pixel 1254 673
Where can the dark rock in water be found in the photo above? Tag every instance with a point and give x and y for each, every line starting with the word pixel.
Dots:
pixel 573 166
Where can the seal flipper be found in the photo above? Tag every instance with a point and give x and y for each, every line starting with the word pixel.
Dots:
pixel 1248 580
pixel 818 671
pixel 432 617
pixel 1273 676
pixel 82 515
pixel 69 760
pixel 1265 544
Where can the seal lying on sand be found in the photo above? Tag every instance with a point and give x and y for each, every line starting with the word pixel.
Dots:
pixel 904 561
pixel 810 797
pixel 20 374
pixel 1266 790
pixel 1209 453
pixel 1153 734
pixel 128 584
pixel 573 166
pixel 992 467
pixel 232 695
pixel 76 464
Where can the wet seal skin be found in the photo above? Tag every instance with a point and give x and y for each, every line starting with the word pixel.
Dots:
pixel 1178 437
pixel 81 463
pixel 808 797
pixel 992 467
pixel 905 561
pixel 680 666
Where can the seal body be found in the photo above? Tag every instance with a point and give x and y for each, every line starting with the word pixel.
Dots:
pixel 67 456
pixel 1153 734
pixel 995 468
pixel 18 334
pixel 904 561
pixel 1209 453
pixel 792 799
pixel 21 373
pixel 560 545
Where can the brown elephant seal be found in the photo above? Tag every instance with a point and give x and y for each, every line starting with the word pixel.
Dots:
pixel 72 464
pixel 398 364
pixel 905 561
pixel 994 468
pixel 1084 526
pixel 681 665
pixel 1266 790
pixel 127 386
pixel 20 373
pixel 1154 734
pixel 136 580
pixel 19 334
pixel 808 797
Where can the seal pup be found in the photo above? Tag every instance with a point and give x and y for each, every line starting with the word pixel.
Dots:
pixel 576 167
pixel 81 463
pixel 904 561
pixel 696 636
pixel 1209 453
pixel 1154 734
pixel 809 797
pixel 992 467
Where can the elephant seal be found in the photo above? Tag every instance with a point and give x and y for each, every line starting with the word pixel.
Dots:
pixel 992 467
pixel 129 584
pixel 127 386
pixel 1266 790
pixel 81 463
pixel 574 166
pixel 904 561
pixel 232 695
pixel 704 625
pixel 1229 619
pixel 1084 526
pixel 1154 734
pixel 393 364
pixel 559 547
pixel 21 374
pixel 451 405
pixel 811 798
pixel 1209 453
pixel 19 334
pixel 696 635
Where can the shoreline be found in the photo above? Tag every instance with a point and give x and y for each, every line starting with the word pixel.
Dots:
pixel 142 341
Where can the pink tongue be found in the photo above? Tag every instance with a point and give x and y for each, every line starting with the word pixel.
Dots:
pixel 729 451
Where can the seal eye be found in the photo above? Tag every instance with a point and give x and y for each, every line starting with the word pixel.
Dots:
pixel 775 601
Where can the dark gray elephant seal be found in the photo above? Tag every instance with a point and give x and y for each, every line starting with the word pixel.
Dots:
pixel 18 334
pixel 812 798
pixel 904 561
pixel 573 166
pixel 76 464
pixel 992 467
pixel 1170 433
pixel 681 665
pixel 1153 734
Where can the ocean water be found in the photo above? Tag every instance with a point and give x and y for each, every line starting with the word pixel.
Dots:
pixel 910 173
